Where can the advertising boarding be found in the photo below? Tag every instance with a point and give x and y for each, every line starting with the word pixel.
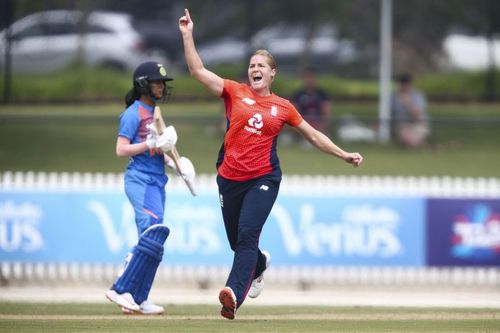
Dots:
pixel 98 227
pixel 463 232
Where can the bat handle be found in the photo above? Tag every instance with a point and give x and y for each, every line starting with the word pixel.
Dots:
pixel 176 153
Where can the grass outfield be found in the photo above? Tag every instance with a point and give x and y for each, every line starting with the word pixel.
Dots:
pixel 48 317
pixel 81 138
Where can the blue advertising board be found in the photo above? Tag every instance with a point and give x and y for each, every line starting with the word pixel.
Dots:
pixel 98 227
pixel 463 232
pixel 339 230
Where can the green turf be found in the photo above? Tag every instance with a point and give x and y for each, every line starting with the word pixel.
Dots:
pixel 44 317
pixel 81 138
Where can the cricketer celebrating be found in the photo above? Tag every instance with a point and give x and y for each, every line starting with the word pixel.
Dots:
pixel 145 181
pixel 248 168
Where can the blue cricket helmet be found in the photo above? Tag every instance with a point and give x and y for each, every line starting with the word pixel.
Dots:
pixel 151 71
pixel 143 75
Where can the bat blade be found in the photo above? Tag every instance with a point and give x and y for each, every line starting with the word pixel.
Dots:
pixel 158 120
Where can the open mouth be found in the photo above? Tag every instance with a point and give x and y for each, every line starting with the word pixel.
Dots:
pixel 257 78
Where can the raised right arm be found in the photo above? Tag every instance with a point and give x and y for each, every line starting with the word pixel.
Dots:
pixel 212 81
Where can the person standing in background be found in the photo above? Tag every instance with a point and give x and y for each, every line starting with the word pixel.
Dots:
pixel 312 102
pixel 409 114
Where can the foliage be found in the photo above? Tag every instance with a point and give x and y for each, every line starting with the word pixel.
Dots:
pixel 419 25
pixel 74 83
pixel 83 84
pixel 456 86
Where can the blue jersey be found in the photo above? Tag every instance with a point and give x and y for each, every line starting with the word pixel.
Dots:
pixel 133 123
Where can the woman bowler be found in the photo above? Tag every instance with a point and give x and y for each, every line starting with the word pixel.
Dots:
pixel 248 168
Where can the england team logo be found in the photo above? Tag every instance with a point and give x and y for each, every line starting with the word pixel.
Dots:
pixel 274 111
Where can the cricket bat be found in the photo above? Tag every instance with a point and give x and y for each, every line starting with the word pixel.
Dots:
pixel 173 154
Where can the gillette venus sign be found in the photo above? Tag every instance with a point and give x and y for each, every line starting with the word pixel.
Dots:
pixel 98 227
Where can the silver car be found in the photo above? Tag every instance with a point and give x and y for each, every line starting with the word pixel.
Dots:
pixel 287 43
pixel 52 40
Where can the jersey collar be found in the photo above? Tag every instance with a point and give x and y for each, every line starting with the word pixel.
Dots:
pixel 148 107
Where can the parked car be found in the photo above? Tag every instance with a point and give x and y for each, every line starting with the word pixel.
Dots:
pixel 223 51
pixel 162 36
pixel 288 43
pixel 471 52
pixel 52 40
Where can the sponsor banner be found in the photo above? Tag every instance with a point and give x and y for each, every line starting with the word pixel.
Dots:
pixel 463 232
pixel 305 230
pixel 337 230
pixel 100 227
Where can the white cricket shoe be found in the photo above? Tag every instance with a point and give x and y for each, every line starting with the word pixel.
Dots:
pixel 146 308
pixel 258 283
pixel 124 300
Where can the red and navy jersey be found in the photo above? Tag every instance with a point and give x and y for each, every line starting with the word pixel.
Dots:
pixel 253 125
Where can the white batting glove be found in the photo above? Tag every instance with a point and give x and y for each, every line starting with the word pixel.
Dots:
pixel 152 136
pixel 151 141
pixel 167 140
pixel 171 164
pixel 152 129
pixel 187 169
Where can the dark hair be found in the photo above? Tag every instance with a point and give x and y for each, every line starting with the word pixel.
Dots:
pixel 310 69
pixel 404 78
pixel 136 92
pixel 131 96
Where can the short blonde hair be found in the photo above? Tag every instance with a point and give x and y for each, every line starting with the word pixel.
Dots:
pixel 270 59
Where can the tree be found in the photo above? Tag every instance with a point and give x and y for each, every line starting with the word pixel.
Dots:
pixel 480 18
